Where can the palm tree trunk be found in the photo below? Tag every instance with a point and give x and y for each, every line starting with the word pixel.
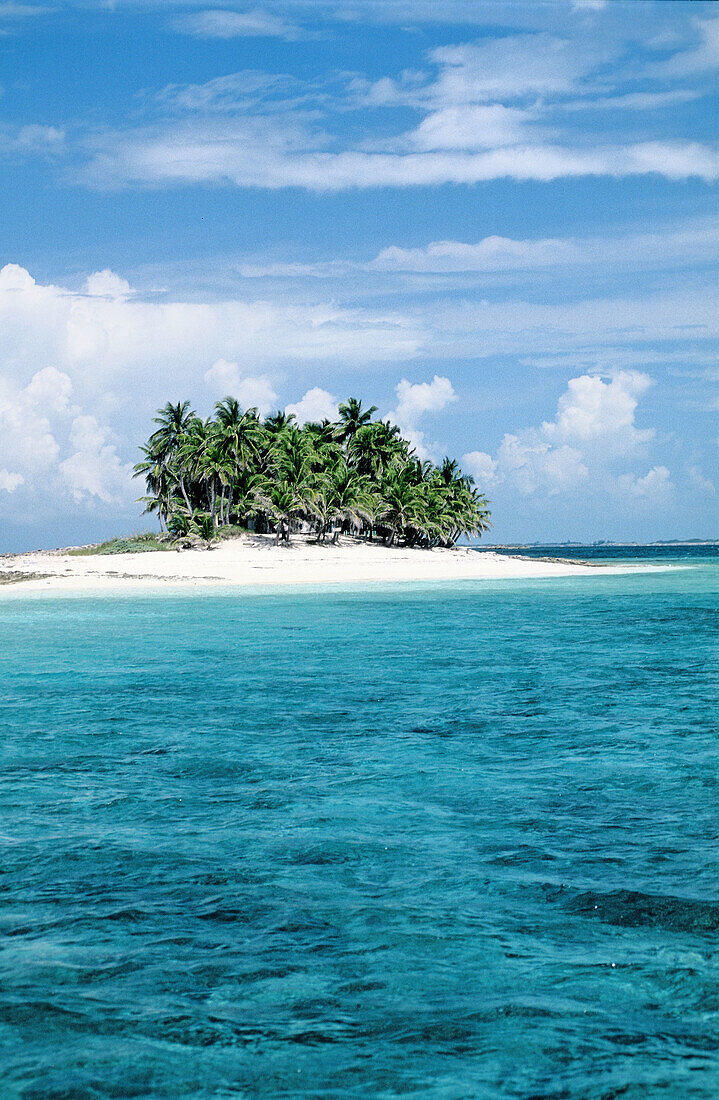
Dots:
pixel 213 502
pixel 184 493
pixel 230 494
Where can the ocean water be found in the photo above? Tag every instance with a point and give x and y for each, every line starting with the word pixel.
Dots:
pixel 433 841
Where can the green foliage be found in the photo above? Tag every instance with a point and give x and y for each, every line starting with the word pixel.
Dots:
pixel 358 476
pixel 135 544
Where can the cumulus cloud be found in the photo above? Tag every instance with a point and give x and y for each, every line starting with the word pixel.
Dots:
pixel 93 469
pixel 654 488
pixel 414 402
pixel 27 442
pixel 481 466
pixel 416 399
pixel 593 428
pixel 68 429
pixel 34 434
pixel 106 284
pixel 109 337
pixel 225 378
pixel 596 412
pixel 10 482
pixel 316 405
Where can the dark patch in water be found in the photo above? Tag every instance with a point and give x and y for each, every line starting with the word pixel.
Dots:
pixel 634 909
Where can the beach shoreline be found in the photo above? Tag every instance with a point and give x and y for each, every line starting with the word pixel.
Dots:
pixel 255 561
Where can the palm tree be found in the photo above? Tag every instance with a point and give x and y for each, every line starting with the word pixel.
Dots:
pixel 240 434
pixel 358 474
pixel 403 503
pixel 278 422
pixel 375 447
pixel 204 526
pixel 352 418
pixel 285 503
pixel 205 458
pixel 173 421
pixel 343 495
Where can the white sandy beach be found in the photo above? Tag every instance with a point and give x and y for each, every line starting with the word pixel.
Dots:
pixel 256 560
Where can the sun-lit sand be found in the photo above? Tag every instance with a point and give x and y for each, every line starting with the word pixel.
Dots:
pixel 256 560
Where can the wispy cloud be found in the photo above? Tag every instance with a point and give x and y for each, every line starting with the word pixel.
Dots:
pixel 700 58
pixel 31 140
pixel 691 243
pixel 257 152
pixel 224 23
pixel 10 10
pixel 497 108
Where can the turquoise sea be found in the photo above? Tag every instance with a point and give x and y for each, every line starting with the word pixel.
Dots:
pixel 442 840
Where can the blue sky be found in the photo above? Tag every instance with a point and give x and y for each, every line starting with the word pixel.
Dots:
pixel 496 221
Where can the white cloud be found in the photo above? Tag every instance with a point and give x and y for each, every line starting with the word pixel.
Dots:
pixel 414 402
pixel 236 24
pixel 93 469
pixel 594 412
pixel 699 481
pixel 531 463
pixel 482 104
pixel 490 254
pixel 10 482
pixel 226 378
pixel 34 434
pixel 260 152
pixel 511 66
pixel 470 126
pixel 701 58
pixel 49 389
pixel 27 443
pixel 106 284
pixel 593 428
pixel 100 339
pixel 682 244
pixel 316 405
pixel 654 488
pixel 481 466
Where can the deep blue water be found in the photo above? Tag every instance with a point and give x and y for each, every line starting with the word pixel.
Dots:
pixel 437 841
pixel 669 553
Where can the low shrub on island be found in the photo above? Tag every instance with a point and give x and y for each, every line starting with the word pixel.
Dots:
pixel 357 475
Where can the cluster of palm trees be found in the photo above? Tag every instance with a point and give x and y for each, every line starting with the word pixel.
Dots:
pixel 357 475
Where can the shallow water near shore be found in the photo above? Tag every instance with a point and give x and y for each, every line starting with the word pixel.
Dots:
pixel 448 840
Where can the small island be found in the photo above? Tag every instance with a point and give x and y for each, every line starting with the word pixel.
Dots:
pixel 244 501
pixel 356 476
